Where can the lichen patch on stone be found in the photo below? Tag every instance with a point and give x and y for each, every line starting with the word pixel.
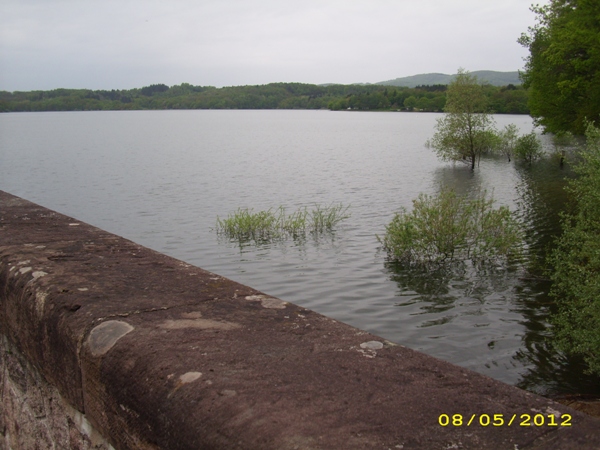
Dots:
pixel 273 303
pixel 268 302
pixel 227 393
pixel 553 411
pixel 202 324
pixel 372 345
pixel 103 337
pixel 189 377
pixel 40 302
pixel 192 315
pixel 369 349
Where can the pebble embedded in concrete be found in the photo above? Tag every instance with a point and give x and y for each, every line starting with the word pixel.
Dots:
pixel 372 345
pixel 268 302
pixel 227 393
pixel 189 377
pixel 103 337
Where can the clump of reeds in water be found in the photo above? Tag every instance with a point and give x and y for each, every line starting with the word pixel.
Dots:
pixel 275 224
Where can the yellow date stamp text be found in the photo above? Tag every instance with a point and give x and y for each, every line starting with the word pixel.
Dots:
pixel 505 420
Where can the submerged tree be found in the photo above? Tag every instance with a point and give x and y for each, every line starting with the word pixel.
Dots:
pixel 563 142
pixel 467 130
pixel 507 140
pixel 450 227
pixel 528 147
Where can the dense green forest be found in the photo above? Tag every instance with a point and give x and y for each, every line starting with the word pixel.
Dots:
pixel 504 100
pixel 562 74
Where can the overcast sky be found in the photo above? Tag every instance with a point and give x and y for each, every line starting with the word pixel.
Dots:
pixel 122 44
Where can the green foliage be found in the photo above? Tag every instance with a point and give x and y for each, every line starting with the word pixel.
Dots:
pixel 467 130
pixel 153 89
pixel 270 96
pixel 266 226
pixel 528 147
pixel 448 227
pixel 564 143
pixel 247 225
pixel 322 219
pixel 576 262
pixel 564 140
pixel 507 140
pixel 410 102
pixel 508 99
pixel 562 71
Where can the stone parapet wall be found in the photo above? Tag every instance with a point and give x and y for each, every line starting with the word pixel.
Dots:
pixel 33 415
pixel 108 343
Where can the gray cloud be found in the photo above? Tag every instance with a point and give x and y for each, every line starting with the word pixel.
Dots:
pixel 131 43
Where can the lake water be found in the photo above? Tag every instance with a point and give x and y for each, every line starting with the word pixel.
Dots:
pixel 161 178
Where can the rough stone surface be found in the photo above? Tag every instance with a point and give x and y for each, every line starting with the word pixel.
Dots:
pixel 33 415
pixel 209 363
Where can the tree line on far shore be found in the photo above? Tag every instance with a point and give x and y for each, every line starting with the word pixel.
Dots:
pixel 509 99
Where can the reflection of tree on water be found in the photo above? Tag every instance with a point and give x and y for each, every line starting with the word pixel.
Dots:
pixel 549 372
pixel 458 178
pixel 419 284
pixel 439 293
pixel 541 197
pixel 438 287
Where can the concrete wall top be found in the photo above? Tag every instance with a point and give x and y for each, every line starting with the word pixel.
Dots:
pixel 159 354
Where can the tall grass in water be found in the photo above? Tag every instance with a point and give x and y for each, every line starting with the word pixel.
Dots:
pixel 271 225
pixel 246 225
pixel 322 219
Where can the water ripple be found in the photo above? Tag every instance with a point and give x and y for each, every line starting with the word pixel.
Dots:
pixel 161 178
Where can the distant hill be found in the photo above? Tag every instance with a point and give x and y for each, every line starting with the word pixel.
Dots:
pixel 490 76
